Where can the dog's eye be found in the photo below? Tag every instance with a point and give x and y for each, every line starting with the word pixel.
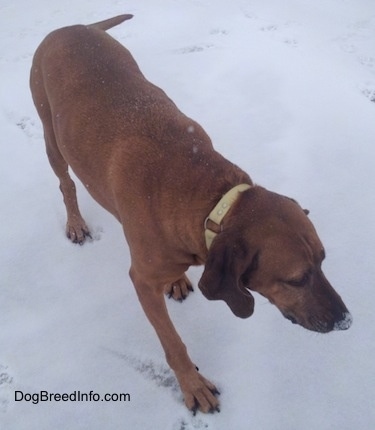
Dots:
pixel 300 282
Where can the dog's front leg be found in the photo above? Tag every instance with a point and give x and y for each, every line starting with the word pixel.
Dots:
pixel 199 393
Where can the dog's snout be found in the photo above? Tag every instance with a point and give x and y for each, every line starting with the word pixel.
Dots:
pixel 322 323
pixel 345 322
pixel 292 319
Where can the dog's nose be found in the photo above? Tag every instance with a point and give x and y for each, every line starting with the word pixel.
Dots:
pixel 345 322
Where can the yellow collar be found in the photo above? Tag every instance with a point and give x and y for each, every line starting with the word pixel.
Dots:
pixel 221 209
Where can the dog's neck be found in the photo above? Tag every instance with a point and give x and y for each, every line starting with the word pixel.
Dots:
pixel 218 213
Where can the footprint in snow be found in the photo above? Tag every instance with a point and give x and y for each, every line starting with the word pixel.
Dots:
pixel 27 125
pixel 160 374
pixel 163 376
pixel 30 126
pixel 193 423
pixel 6 388
pixel 202 46
pixel 194 48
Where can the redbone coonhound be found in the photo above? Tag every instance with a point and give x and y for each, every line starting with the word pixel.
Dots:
pixel 179 201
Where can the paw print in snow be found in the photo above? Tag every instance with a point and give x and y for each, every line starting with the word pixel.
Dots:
pixel 6 387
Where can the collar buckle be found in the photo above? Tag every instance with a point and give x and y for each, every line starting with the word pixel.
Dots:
pixel 220 210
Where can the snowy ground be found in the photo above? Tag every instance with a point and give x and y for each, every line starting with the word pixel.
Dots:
pixel 287 91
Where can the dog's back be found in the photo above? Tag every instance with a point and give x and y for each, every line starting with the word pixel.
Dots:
pixel 92 97
pixel 85 66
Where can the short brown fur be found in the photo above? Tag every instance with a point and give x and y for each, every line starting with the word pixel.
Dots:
pixel 156 171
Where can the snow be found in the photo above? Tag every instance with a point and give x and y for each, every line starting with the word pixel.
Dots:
pixel 286 90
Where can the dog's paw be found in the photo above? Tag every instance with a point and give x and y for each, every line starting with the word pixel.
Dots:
pixel 180 289
pixel 199 393
pixel 77 231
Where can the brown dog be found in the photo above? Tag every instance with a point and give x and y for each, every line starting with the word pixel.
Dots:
pixel 179 201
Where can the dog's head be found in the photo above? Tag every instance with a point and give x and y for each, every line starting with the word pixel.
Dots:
pixel 269 245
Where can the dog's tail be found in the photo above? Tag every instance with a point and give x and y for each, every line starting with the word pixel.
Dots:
pixel 111 22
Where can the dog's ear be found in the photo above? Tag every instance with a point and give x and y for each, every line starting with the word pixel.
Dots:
pixel 228 261
pixel 295 201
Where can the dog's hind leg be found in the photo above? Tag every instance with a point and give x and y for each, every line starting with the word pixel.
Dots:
pixel 76 228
